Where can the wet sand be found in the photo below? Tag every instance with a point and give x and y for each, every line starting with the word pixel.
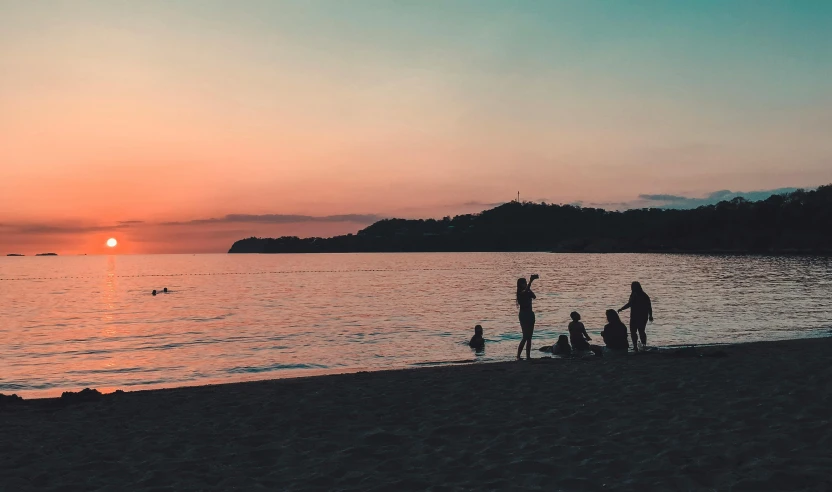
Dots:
pixel 756 419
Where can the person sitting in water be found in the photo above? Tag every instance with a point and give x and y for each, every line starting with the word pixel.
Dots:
pixel 615 333
pixel 477 341
pixel 561 347
pixel 577 333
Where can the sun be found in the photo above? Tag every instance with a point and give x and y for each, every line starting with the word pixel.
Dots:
pixel 112 242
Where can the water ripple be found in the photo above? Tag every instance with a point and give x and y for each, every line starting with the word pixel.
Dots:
pixel 73 322
pixel 273 367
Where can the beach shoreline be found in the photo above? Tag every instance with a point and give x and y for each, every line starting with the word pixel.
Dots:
pixel 291 374
pixel 750 416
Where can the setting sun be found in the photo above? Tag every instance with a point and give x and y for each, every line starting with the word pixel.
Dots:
pixel 112 242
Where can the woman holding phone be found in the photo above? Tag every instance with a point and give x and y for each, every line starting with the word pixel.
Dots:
pixel 524 302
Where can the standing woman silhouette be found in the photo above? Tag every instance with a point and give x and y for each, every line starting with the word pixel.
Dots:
pixel 524 302
pixel 641 309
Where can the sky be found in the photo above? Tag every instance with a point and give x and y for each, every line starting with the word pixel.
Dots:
pixel 180 126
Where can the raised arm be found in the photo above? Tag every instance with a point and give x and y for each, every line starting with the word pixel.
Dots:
pixel 529 286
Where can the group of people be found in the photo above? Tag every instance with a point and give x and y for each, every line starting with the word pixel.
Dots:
pixel 614 334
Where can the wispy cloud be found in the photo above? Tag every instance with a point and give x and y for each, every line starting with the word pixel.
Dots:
pixel 482 204
pixel 664 198
pixel 280 219
pixel 81 228
pixel 58 229
pixel 683 202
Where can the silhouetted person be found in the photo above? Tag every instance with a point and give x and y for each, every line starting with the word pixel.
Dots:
pixel 154 292
pixel 477 341
pixel 615 333
pixel 165 290
pixel 561 347
pixel 577 333
pixel 640 311
pixel 524 301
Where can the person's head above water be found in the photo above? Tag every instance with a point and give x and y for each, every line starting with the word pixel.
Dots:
pixel 612 316
pixel 154 292
pixel 477 341
pixel 575 316
pixel 165 290
pixel 636 287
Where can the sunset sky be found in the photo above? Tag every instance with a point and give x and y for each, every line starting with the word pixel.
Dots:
pixel 180 126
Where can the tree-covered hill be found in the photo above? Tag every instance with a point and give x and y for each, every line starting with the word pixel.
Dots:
pixel 792 223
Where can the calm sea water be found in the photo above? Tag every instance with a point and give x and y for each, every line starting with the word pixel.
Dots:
pixel 74 322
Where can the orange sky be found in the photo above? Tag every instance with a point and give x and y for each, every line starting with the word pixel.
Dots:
pixel 155 112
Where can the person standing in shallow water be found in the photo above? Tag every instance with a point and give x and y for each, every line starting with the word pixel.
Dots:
pixel 524 302
pixel 641 310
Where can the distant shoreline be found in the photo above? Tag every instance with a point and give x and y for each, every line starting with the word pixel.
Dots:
pixel 793 223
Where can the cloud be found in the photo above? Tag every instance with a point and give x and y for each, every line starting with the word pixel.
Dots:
pixel 683 202
pixel 280 219
pixel 40 229
pixel 482 204
pixel 664 198
pixel 617 205
pixel 680 202
pixel 67 228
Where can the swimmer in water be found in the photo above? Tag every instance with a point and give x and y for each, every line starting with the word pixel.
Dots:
pixel 154 292
pixel 477 341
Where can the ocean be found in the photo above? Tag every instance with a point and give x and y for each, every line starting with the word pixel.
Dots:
pixel 70 322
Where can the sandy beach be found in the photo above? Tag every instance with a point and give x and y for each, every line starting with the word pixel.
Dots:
pixel 754 417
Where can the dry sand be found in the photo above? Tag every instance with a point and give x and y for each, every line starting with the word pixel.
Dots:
pixel 757 419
